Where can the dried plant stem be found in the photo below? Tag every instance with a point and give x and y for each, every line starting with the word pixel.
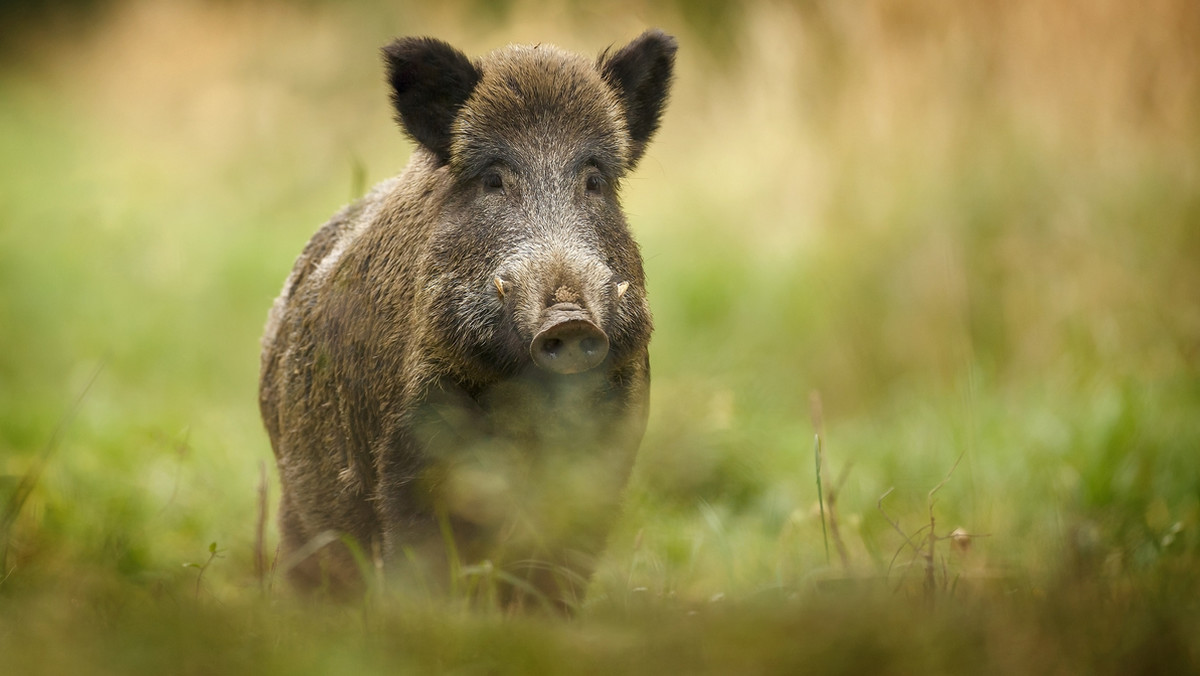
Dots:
pixel 907 540
pixel 925 546
pixel 928 553
pixel 834 528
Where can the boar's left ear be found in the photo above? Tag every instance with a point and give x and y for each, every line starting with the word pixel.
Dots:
pixel 430 81
pixel 641 74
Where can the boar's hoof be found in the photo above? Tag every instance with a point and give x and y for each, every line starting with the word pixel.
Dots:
pixel 568 345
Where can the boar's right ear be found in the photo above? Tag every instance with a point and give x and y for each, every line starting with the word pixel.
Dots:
pixel 641 74
pixel 430 81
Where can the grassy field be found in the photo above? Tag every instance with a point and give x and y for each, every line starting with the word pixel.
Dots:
pixel 960 242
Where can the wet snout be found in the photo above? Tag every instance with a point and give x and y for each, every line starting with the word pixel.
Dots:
pixel 568 341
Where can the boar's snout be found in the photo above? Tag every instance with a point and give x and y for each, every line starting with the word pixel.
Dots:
pixel 568 342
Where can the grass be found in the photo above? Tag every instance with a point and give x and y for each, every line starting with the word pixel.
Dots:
pixel 972 231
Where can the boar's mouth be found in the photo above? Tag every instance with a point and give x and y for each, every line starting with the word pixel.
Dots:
pixel 568 341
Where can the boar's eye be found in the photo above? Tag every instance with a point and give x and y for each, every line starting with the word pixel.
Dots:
pixel 492 181
pixel 593 178
pixel 594 183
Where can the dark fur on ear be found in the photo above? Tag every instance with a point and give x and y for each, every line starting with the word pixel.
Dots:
pixel 430 81
pixel 641 74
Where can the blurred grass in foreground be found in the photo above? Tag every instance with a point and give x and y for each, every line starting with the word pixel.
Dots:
pixel 974 229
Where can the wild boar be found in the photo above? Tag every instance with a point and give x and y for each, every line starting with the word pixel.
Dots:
pixel 456 371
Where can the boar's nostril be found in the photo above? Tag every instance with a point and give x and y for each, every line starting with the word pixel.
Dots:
pixel 593 346
pixel 570 346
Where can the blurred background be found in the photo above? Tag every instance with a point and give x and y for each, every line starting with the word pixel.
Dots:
pixel 971 230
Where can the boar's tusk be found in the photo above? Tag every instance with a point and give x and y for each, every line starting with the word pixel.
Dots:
pixel 501 286
pixel 622 288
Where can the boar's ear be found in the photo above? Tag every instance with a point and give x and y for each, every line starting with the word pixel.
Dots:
pixel 430 81
pixel 641 74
